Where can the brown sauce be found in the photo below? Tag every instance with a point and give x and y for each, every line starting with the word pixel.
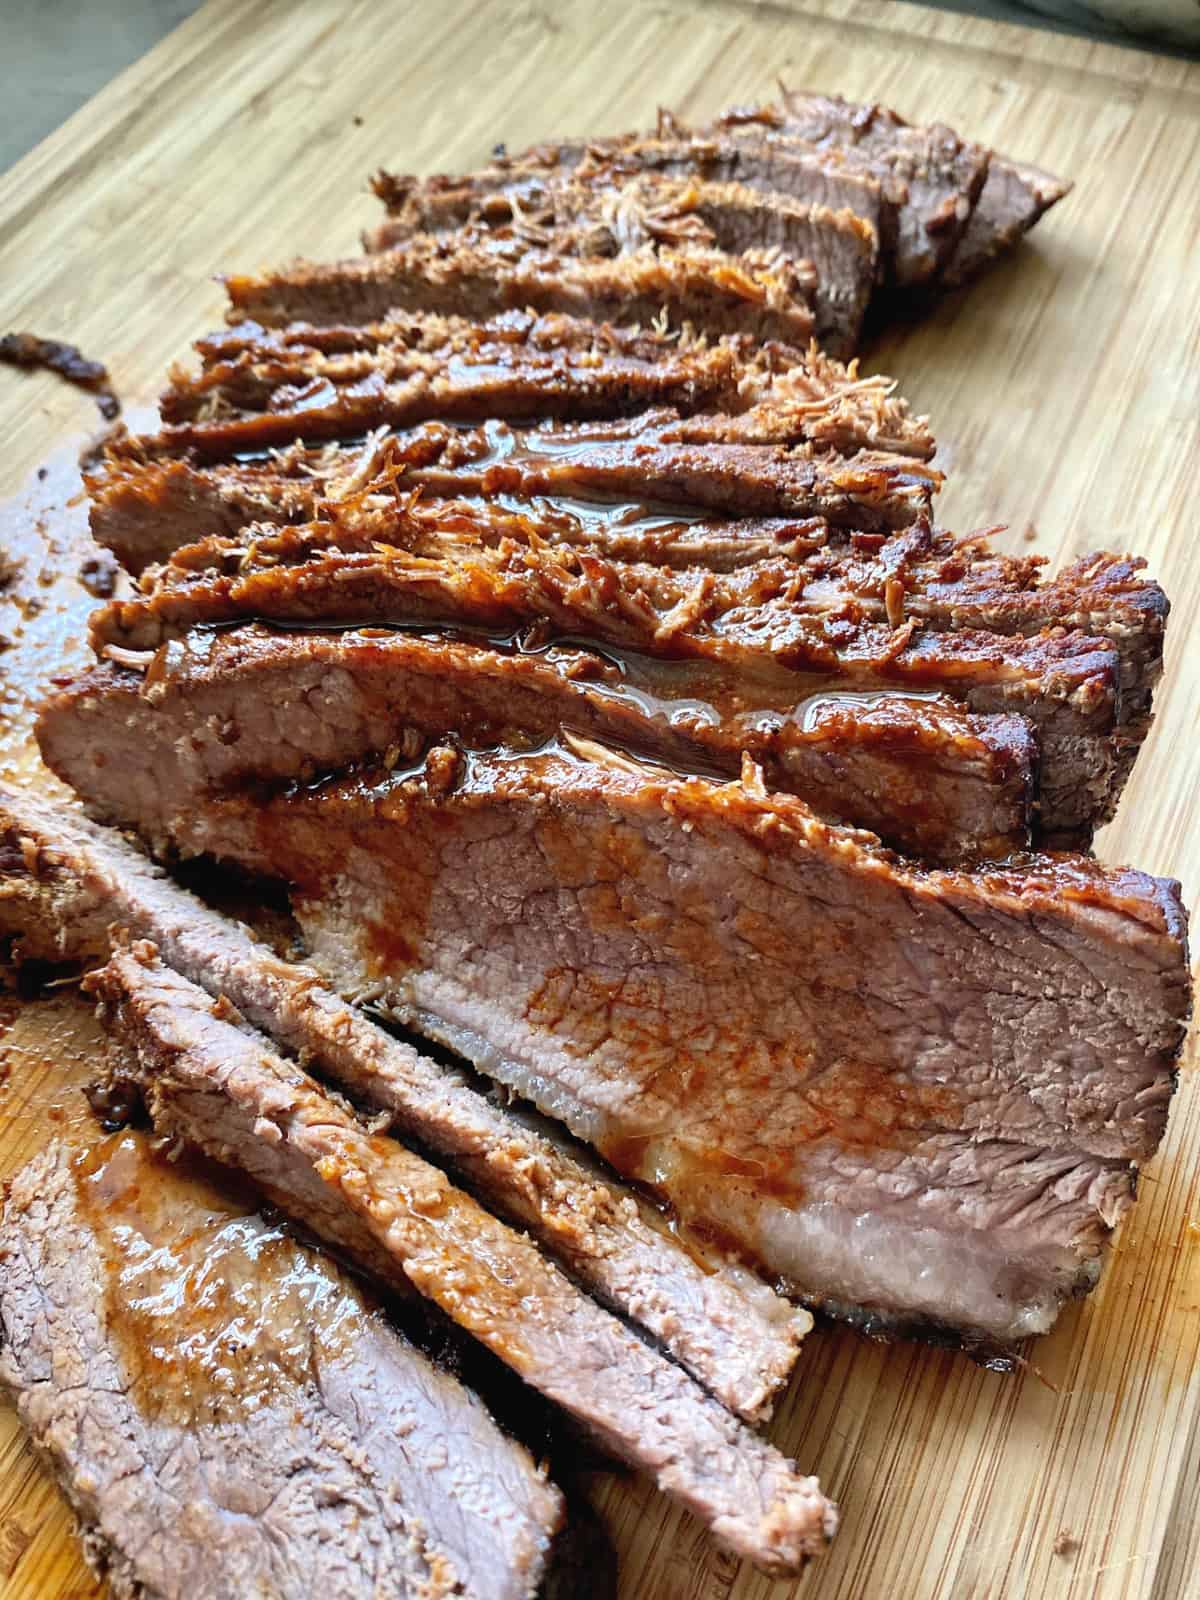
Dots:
pixel 902 704
pixel 50 1053
pixel 539 445
pixel 708 715
pixel 599 516
pixel 215 1311
pixel 770 701
pixel 504 445
pixel 496 443
pixel 690 691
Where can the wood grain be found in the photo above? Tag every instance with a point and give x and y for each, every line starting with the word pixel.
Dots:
pixel 1066 394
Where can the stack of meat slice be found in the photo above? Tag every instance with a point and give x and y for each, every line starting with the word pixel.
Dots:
pixel 836 200
pixel 597 576
pixel 187 1010
pixel 560 726
pixel 229 1416
pixel 571 634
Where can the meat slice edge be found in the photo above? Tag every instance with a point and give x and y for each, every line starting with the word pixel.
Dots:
pixel 1076 974
pixel 1015 196
pixel 703 288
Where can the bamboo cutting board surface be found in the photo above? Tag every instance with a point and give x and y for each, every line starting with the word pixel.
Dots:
pixel 1065 394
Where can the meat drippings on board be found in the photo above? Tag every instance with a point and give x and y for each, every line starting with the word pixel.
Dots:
pixel 28 350
pixel 49 559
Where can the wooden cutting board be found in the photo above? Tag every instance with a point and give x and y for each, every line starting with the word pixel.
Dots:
pixel 1064 391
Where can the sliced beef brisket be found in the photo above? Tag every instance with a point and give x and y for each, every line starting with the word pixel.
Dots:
pixel 932 177
pixel 940 207
pixel 147 508
pixel 210 1078
pixel 729 466
pixel 67 883
pixel 791 394
pixel 1012 200
pixel 257 406
pixel 228 1416
pixel 723 390
pixel 989 1050
pixel 834 254
pixel 261 367
pixel 752 622
pixel 431 205
pixel 145 511
pixel 1115 1029
pixel 145 503
pixel 700 287
pixel 950 584
pixel 255 704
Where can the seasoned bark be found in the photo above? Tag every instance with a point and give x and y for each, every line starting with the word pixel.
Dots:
pixel 700 287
